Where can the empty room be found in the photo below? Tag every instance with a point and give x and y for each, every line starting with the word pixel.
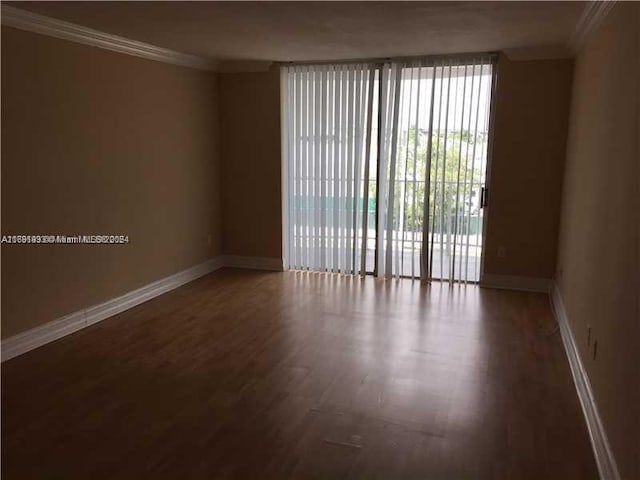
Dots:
pixel 320 240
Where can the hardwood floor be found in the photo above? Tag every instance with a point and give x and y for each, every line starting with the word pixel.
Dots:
pixel 261 375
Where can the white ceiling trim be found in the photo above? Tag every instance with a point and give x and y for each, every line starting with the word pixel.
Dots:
pixel 32 22
pixel 592 16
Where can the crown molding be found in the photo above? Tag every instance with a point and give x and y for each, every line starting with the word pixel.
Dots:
pixel 33 22
pixel 592 16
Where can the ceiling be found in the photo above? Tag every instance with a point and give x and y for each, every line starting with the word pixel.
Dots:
pixel 297 31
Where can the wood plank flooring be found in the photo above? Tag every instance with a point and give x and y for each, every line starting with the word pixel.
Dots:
pixel 258 375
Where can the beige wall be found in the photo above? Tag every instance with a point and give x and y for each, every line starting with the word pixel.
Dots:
pixel 99 142
pixel 250 129
pixel 531 116
pixel 598 263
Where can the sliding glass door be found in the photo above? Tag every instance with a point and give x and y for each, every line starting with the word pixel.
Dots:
pixel 385 167
pixel 443 132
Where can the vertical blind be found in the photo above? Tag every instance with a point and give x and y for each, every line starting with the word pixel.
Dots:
pixel 384 166
pixel 430 202
pixel 327 119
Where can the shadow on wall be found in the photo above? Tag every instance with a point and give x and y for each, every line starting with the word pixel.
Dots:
pixel 251 172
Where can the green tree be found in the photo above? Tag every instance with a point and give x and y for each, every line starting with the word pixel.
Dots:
pixel 454 178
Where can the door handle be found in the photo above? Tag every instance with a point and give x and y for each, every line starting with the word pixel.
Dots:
pixel 484 197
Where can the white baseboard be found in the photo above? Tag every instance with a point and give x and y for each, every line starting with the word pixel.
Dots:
pixel 512 282
pixel 38 336
pixel 601 448
pixel 254 263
